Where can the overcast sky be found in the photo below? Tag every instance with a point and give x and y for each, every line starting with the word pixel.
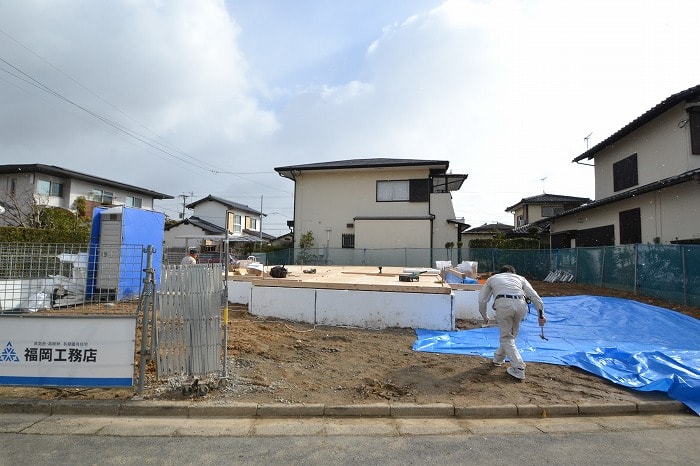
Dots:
pixel 198 97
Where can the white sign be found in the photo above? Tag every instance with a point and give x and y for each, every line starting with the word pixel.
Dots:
pixel 67 351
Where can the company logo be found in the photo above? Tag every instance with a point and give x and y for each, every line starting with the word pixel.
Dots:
pixel 8 354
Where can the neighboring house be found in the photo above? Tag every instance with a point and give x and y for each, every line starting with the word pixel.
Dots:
pixel 486 231
pixel 211 216
pixel 375 203
pixel 285 241
pixel 58 187
pixel 647 182
pixel 531 209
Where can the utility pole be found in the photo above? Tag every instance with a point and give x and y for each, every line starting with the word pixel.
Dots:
pixel 184 203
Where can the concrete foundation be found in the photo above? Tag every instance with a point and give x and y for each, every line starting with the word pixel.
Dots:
pixel 358 297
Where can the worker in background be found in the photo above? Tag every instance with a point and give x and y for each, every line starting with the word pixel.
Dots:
pixel 509 291
pixel 191 258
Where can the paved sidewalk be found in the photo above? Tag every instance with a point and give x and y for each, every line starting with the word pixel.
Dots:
pixel 222 409
pixel 154 426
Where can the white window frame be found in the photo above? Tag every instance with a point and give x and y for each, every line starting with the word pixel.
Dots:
pixel 237 224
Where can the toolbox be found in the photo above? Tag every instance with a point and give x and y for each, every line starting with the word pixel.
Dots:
pixel 408 277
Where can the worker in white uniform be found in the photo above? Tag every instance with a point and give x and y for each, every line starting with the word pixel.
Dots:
pixel 190 259
pixel 509 291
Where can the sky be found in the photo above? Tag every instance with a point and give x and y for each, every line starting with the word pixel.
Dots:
pixel 199 97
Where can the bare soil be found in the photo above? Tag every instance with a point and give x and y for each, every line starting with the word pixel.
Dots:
pixel 276 361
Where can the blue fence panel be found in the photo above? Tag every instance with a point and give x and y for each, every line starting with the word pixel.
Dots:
pixel 668 272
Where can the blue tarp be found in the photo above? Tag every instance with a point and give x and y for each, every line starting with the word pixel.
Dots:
pixel 633 344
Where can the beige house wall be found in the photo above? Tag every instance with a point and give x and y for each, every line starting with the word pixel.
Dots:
pixel 327 201
pixel 379 234
pixel 662 147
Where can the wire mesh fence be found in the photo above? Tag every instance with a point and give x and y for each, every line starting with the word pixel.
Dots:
pixel 668 272
pixel 70 278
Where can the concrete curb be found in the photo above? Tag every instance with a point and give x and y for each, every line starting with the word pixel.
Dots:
pixel 214 409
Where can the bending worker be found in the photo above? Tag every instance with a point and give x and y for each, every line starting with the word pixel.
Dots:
pixel 190 258
pixel 509 291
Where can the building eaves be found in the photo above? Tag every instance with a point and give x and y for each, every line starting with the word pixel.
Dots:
pixel 226 203
pixel 207 227
pixel 264 235
pixel 643 119
pixel 543 199
pixel 65 173
pixel 489 228
pixel 355 164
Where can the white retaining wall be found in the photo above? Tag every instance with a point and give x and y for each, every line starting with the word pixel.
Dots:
pixel 365 309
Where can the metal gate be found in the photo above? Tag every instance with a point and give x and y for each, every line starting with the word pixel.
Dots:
pixel 188 330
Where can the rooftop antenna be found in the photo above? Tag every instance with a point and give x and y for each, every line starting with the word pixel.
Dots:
pixel 542 180
pixel 586 139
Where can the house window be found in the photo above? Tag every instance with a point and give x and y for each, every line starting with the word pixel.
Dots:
pixel 252 223
pixel 417 190
pixel 134 202
pixel 550 211
pixel 49 188
pixel 630 226
pixel 694 117
pixel 392 191
pixel 348 240
pixel 237 224
pixel 625 173
pixel 521 220
pixel 103 197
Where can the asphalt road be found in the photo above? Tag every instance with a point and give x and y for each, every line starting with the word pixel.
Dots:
pixel 31 439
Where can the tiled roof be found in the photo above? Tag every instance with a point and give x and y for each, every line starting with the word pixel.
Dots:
pixel 665 105
pixel 225 202
pixel 549 199
pixel 65 173
pixel 207 227
pixel 362 163
pixel 489 227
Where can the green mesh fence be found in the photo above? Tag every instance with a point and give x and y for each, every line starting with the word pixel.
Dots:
pixel 667 272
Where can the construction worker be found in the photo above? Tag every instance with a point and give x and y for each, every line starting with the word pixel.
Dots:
pixel 190 258
pixel 510 292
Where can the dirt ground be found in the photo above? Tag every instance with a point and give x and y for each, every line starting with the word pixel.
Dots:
pixel 275 361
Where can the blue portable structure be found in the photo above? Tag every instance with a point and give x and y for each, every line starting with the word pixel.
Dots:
pixel 118 242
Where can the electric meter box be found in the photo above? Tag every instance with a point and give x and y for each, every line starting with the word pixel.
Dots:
pixel 119 240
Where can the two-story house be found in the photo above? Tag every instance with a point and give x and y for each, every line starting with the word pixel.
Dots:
pixel 542 206
pixel 212 216
pixel 375 203
pixel 647 181
pixel 23 185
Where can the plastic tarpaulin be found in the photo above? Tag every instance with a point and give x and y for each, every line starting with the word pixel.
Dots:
pixel 632 344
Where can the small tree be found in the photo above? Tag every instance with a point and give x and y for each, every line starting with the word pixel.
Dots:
pixel 448 248
pixel 306 241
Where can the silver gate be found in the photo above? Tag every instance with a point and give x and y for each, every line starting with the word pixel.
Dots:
pixel 188 330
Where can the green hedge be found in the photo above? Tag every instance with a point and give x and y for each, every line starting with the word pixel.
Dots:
pixel 505 243
pixel 37 235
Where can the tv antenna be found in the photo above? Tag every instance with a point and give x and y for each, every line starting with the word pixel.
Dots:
pixel 542 180
pixel 586 139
